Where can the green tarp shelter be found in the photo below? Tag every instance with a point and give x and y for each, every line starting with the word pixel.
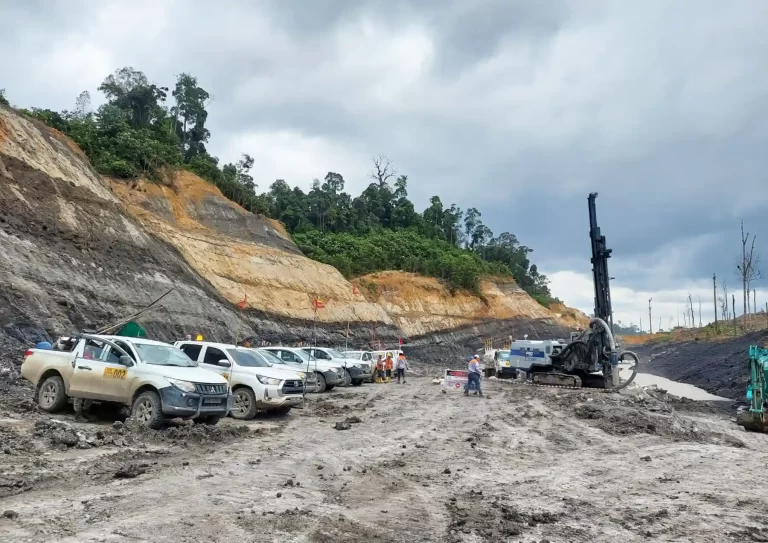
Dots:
pixel 132 329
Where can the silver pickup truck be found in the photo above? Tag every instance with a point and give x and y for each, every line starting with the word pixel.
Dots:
pixel 154 379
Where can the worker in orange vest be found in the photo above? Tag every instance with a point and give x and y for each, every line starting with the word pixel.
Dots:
pixel 388 366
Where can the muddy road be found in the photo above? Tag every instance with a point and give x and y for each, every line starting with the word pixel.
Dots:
pixel 409 464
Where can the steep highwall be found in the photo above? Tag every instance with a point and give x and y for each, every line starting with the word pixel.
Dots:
pixel 79 251
pixel 423 307
pixel 71 256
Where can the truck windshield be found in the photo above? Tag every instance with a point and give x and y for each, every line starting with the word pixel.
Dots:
pixel 503 355
pixel 248 359
pixel 163 355
pixel 272 358
pixel 301 354
pixel 334 353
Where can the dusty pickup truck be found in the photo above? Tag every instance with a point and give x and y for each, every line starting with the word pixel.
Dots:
pixel 154 379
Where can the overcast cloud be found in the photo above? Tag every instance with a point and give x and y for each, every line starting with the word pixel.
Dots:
pixel 517 108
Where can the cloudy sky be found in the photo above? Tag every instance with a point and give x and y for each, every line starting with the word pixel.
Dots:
pixel 518 108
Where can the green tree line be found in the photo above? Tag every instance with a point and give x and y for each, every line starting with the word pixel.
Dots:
pixel 146 130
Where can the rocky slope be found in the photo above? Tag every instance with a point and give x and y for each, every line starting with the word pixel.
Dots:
pixel 78 251
pixel 422 306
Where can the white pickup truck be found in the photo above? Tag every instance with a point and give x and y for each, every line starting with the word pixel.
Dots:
pixel 256 385
pixel 154 379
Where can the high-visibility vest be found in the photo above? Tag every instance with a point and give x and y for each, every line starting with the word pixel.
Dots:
pixel 389 363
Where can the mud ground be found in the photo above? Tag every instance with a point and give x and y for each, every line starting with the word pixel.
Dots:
pixel 719 367
pixel 410 464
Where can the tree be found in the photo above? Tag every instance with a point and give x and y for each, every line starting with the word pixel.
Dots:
pixel 650 318
pixel 471 218
pixel 749 267
pixel 714 297
pixel 690 308
pixel 129 89
pixel 191 103
pixel 3 99
pixel 383 170
pixel 82 105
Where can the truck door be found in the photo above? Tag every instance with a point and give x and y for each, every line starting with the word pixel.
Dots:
pixel 115 377
pixel 88 368
pixel 210 361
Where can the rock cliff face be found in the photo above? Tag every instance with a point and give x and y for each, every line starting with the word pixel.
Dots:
pixel 78 251
pixel 423 307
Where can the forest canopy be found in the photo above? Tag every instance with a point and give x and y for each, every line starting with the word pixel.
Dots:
pixel 146 130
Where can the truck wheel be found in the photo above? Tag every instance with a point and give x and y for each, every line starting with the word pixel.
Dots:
pixel 244 404
pixel 51 396
pixel 347 378
pixel 321 383
pixel 282 410
pixel 357 382
pixel 147 410
pixel 210 420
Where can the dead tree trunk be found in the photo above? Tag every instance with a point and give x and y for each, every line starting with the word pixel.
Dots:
pixel 714 297
pixel 690 308
pixel 650 319
pixel 699 311
pixel 733 304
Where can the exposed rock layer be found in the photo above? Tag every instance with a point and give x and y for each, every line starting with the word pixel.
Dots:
pixel 78 251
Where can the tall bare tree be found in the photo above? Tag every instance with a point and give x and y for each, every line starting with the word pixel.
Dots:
pixel 724 302
pixel 714 297
pixel 384 170
pixel 650 319
pixel 690 308
pixel 749 267
pixel 733 311
pixel 699 311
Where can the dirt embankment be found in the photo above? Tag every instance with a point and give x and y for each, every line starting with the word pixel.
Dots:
pixel 394 463
pixel 424 308
pixel 719 367
pixel 78 251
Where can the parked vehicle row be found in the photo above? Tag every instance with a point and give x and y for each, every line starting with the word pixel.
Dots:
pixel 197 380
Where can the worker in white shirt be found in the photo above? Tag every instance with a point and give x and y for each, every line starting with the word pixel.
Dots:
pixel 473 376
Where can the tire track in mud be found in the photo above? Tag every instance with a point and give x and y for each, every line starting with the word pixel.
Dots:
pixel 518 459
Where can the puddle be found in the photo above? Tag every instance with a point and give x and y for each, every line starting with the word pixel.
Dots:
pixel 682 390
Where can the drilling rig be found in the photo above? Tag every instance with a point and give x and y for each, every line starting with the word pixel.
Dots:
pixel 592 357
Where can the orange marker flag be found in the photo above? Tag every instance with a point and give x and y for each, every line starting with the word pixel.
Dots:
pixel 241 305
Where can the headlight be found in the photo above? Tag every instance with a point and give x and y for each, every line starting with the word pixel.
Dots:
pixel 267 380
pixel 186 386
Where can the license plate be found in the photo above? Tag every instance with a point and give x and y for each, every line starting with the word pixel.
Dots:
pixel 211 401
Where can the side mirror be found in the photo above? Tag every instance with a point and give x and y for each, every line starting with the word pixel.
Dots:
pixel 224 363
pixel 126 361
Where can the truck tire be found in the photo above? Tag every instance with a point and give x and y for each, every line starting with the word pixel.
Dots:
pixel 347 378
pixel 243 404
pixel 51 396
pixel 282 410
pixel 321 383
pixel 210 420
pixel 147 410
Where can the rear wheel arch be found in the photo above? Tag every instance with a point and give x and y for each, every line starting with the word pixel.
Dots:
pixel 46 374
